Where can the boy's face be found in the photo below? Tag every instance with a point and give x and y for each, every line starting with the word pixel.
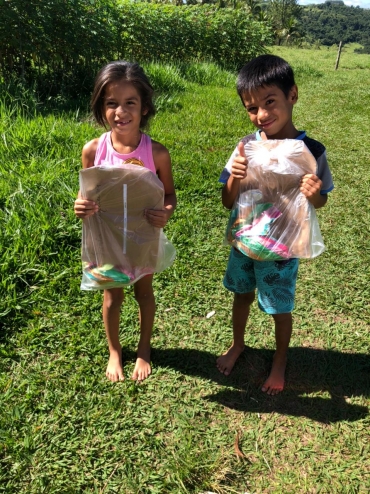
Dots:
pixel 271 111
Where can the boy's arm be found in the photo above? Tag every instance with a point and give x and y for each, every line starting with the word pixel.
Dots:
pixel 230 192
pixel 311 187
pixel 238 172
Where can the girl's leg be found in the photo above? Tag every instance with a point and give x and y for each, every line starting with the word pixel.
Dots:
pixel 283 332
pixel 144 296
pixel 241 305
pixel 112 302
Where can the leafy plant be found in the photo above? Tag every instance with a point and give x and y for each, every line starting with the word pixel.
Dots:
pixel 58 47
pixel 207 74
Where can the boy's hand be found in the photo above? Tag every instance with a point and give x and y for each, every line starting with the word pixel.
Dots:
pixel 158 217
pixel 310 186
pixel 240 164
pixel 84 208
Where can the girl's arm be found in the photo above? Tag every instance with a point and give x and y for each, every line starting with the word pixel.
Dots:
pixel 162 162
pixel 84 208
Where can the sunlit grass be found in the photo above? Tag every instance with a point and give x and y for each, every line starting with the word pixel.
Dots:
pixel 65 429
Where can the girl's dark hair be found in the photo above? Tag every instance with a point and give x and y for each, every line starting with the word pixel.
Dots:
pixel 121 70
pixel 265 70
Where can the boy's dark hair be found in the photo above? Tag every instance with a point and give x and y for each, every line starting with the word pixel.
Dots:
pixel 121 70
pixel 265 70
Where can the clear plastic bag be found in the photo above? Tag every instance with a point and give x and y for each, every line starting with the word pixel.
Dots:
pixel 119 246
pixel 271 219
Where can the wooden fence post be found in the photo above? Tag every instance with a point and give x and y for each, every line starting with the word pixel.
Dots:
pixel 338 56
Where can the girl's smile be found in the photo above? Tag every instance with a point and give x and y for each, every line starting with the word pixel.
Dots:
pixel 123 111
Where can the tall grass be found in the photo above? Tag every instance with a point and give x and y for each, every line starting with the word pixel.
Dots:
pixel 65 429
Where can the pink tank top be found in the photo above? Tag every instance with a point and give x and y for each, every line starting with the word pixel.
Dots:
pixel 142 156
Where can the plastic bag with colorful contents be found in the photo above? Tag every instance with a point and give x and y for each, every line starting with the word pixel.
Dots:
pixel 271 219
pixel 119 246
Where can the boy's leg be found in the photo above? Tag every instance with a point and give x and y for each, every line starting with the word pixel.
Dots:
pixel 276 282
pixel 240 279
pixel 112 302
pixel 241 305
pixel 145 298
pixel 283 330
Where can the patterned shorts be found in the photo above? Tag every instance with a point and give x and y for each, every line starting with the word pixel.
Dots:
pixel 275 281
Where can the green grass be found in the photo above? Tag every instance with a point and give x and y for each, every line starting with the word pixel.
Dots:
pixel 65 429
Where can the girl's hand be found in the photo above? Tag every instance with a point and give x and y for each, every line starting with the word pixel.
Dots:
pixel 240 164
pixel 158 217
pixel 84 208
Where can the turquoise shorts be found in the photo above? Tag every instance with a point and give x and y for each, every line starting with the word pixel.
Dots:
pixel 275 281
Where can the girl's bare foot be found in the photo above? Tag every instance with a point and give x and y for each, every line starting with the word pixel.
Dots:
pixel 114 370
pixel 275 382
pixel 226 362
pixel 142 368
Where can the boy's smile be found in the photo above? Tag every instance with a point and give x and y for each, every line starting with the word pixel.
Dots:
pixel 271 111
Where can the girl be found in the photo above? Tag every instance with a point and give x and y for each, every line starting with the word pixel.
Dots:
pixel 122 101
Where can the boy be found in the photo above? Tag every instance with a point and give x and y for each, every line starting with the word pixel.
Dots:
pixel 268 92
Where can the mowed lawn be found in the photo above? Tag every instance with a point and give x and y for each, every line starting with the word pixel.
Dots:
pixel 187 429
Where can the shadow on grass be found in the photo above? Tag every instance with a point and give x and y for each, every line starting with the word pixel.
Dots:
pixel 319 383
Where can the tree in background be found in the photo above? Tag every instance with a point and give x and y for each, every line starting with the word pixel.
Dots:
pixel 326 23
pixel 291 33
pixel 284 16
pixel 331 22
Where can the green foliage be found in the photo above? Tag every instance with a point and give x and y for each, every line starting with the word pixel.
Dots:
pixel 283 16
pixel 329 23
pixel 207 74
pixel 58 43
pixel 169 33
pixel 364 49
pixel 281 11
pixel 58 46
pixel 165 78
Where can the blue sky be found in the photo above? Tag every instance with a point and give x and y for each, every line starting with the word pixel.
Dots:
pixel 365 4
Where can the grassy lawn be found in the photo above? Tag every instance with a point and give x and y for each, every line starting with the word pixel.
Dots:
pixel 187 429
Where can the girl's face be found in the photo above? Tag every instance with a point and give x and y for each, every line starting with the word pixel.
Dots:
pixel 123 108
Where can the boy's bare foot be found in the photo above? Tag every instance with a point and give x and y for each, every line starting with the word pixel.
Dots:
pixel 114 370
pixel 142 368
pixel 226 362
pixel 275 382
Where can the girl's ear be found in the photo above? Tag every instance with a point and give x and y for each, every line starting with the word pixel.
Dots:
pixel 144 111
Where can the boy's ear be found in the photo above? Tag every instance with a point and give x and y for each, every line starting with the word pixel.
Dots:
pixel 293 95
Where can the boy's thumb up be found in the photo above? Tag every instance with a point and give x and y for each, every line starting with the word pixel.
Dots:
pixel 241 150
pixel 240 164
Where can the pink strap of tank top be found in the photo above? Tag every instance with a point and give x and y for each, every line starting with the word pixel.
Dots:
pixel 141 156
